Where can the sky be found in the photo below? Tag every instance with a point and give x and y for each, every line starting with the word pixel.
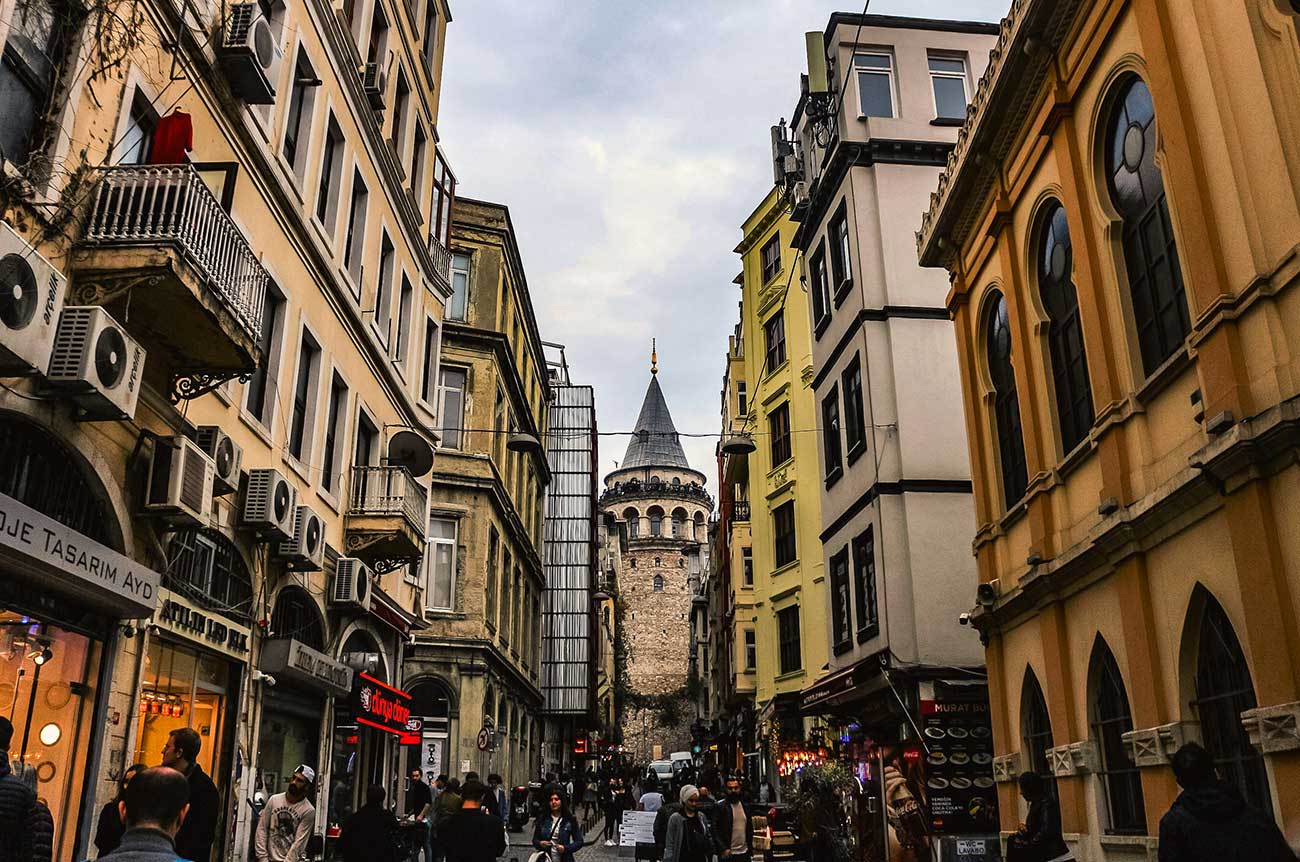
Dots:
pixel 630 141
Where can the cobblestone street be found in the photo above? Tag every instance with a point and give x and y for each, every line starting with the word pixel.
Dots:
pixel 521 846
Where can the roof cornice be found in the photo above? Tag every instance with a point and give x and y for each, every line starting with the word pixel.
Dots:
pixel 1028 39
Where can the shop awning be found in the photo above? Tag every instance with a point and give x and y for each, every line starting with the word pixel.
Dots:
pixel 59 558
pixel 385 608
pixel 832 693
pixel 302 664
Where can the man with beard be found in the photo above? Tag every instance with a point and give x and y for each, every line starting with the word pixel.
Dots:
pixel 197 832
pixel 732 826
pixel 286 823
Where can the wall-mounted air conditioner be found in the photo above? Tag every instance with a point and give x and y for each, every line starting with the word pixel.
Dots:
pixel 97 362
pixel 249 54
pixel 306 550
pixel 180 482
pixel 351 587
pixel 226 453
pixel 270 505
pixel 31 298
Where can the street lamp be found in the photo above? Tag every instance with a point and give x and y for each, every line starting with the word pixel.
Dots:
pixel 740 444
pixel 522 441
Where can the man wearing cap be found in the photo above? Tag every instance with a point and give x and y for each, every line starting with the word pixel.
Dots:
pixel 286 823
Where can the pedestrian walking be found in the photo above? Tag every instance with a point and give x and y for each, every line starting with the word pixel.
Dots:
pixel 557 835
pixel 419 809
pixel 689 837
pixel 370 833
pixel 1039 838
pixel 651 799
pixel 732 826
pixel 1210 822
pixel 472 834
pixel 286 823
pixel 197 832
pixel 609 803
pixel 445 807
pixel 109 827
pixel 589 796
pixel 153 808
pixel 500 801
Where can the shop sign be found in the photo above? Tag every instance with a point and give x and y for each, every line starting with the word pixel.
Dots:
pixel 379 705
pixel 177 616
pixel 296 661
pixel 86 567
pixel 959 766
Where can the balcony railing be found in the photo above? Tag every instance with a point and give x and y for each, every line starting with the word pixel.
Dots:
pixel 740 510
pixel 388 491
pixel 151 204
pixel 441 260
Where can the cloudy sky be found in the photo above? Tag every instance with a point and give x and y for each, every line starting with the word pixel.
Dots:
pixel 630 140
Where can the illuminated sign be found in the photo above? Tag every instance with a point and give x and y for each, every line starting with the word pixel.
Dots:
pixel 379 705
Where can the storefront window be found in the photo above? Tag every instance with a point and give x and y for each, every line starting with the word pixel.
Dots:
pixel 185 688
pixel 48 685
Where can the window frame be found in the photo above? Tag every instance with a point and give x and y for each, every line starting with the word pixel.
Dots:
pixel 460 432
pixel 770 263
pixel 1007 424
pixel 459 296
pixel 742 399
pixel 854 414
pixel 430 365
pixel 863 574
pixel 841 621
pixel 432 543
pixel 774 338
pixel 841 253
pixel 1108 720
pixel 335 442
pixel 778 426
pixel 859 70
pixel 333 146
pixel 405 312
pixel 963 76
pixel 751 651
pixel 785 542
pixel 747 567
pixel 381 316
pixel 1066 351
pixel 306 388
pixel 299 120
pixel 354 237
pixel 789 642
pixel 832 448
pixel 274 325
pixel 819 289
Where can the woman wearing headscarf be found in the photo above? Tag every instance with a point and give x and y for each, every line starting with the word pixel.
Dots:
pixel 689 838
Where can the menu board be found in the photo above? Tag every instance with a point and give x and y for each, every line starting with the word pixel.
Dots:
pixel 638 827
pixel 959 767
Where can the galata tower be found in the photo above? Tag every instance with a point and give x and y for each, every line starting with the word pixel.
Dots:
pixel 662 508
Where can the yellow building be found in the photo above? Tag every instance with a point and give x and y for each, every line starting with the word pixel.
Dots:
pixel 1119 220
pixel 778 485
pixel 228 225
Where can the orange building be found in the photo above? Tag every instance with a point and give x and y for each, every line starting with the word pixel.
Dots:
pixel 1120 221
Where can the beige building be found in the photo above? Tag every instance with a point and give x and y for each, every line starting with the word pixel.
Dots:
pixel 480 658
pixel 227 227
pixel 1119 222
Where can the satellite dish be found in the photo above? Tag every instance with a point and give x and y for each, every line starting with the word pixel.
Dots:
pixel 408 449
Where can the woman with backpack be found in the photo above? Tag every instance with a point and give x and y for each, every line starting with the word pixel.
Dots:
pixel 557 835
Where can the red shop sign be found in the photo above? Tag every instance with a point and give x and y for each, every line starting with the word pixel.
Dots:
pixel 379 705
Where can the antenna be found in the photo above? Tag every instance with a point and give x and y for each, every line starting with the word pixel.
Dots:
pixel 815 41
pixel 654 358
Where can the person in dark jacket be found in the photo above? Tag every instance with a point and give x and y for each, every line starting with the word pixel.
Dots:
pixel 472 834
pixel 154 808
pixel 26 828
pixel 109 828
pixel 1210 822
pixel 689 837
pixel 368 835
pixel 1039 838
pixel 558 831
pixel 194 840
pixel 732 826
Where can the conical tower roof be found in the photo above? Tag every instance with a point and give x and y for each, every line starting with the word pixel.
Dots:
pixel 654 442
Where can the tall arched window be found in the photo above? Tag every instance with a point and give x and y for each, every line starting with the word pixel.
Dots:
pixel 1154 277
pixel 656 521
pixel 679 523
pixel 1006 401
pixel 1036 727
pixel 297 616
pixel 1223 692
pixel 41 471
pixel 205 566
pixel 1110 719
pixel 1064 331
pixel 633 519
pixel 659 584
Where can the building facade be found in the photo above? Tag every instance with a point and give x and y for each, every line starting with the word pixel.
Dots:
pixel 1118 222
pixel 569 612
pixel 661 504
pixel 240 279
pixel 482 651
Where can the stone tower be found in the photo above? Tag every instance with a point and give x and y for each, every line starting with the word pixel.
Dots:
pixel 662 507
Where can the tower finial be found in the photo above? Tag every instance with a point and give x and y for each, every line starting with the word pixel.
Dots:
pixel 654 357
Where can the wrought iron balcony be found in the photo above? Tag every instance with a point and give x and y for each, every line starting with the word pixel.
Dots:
pixel 385 525
pixel 740 510
pixel 158 230
pixel 441 261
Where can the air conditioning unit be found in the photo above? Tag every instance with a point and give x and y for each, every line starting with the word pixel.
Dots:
pixel 227 454
pixel 270 505
pixel 250 54
pixel 31 297
pixel 97 362
pixel 180 482
pixel 351 587
pixel 799 194
pixel 374 82
pixel 306 550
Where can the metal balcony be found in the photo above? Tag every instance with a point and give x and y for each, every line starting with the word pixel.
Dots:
pixel 384 525
pixel 740 510
pixel 163 255
pixel 441 261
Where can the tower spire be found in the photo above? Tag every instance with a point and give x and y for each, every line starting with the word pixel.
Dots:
pixel 654 357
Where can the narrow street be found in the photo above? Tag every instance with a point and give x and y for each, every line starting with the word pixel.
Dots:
pixel 521 846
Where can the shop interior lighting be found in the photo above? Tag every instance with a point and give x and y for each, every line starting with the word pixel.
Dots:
pixel 51 734
pixel 41 656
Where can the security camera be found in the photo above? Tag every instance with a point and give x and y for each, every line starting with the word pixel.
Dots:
pixel 963 619
pixel 987 593
pixel 263 678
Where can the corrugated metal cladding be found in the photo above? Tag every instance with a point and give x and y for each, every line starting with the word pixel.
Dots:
pixel 569 559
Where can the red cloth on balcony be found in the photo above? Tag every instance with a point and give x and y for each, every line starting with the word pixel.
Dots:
pixel 172 139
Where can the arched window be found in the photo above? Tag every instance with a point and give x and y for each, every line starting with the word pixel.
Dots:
pixel 1064 331
pixel 205 566
pixel 633 519
pixel 297 616
pixel 1006 401
pixel 656 521
pixel 39 470
pixel 1036 727
pixel 1223 692
pixel 1110 719
pixel 679 523
pixel 659 584
pixel 1155 279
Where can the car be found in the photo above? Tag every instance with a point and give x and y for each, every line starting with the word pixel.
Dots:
pixel 661 770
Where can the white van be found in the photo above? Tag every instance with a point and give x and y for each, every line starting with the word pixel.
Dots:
pixel 662 770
